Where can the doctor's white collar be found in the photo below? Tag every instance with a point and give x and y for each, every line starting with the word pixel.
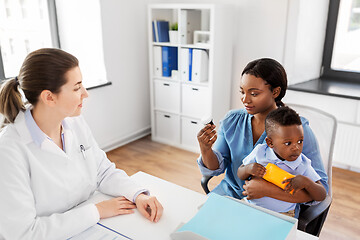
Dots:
pixel 37 135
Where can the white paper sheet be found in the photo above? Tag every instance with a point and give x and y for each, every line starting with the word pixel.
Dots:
pixel 98 232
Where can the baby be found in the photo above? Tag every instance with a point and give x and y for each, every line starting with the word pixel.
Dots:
pixel 284 143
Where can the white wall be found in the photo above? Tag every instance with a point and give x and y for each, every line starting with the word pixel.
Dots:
pixel 121 111
pixel 261 33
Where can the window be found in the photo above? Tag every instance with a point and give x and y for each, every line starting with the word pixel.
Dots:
pixel 24 27
pixel 80 33
pixel 342 48
pixel 27 25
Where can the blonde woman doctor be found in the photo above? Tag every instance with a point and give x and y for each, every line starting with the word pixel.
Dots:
pixel 49 160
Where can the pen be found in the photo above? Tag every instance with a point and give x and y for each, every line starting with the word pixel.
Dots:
pixel 82 149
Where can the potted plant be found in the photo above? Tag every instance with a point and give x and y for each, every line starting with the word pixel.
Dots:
pixel 173 33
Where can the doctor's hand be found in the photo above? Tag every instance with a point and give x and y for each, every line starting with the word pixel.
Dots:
pixel 149 207
pixel 114 207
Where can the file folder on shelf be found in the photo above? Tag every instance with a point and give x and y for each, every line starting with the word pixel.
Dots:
pixel 184 64
pixel 190 21
pixel 190 63
pixel 157 71
pixel 200 66
pixel 154 31
pixel 161 31
pixel 227 218
pixel 169 60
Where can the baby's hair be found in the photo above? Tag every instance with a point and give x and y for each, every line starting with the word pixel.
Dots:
pixel 282 116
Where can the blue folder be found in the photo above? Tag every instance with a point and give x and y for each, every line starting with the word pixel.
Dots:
pixel 190 62
pixel 223 218
pixel 169 60
pixel 163 31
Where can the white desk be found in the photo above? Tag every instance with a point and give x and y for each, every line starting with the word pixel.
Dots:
pixel 180 205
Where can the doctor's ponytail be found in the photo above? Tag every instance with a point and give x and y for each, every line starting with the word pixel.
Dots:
pixel 10 100
pixel 43 69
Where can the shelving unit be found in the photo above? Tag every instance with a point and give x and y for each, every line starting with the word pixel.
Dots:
pixel 177 104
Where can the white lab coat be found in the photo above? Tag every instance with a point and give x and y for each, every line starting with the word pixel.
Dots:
pixel 42 185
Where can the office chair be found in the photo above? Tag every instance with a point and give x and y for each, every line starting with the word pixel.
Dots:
pixel 312 218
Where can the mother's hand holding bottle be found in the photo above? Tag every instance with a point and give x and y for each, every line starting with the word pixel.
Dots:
pixel 206 137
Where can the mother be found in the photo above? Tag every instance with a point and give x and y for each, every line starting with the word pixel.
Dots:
pixel 263 85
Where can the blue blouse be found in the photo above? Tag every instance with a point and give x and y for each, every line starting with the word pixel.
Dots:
pixel 235 141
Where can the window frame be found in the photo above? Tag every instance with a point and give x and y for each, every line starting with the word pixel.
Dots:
pixel 53 24
pixel 327 72
pixel 2 73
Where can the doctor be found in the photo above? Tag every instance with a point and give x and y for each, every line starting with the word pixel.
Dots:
pixel 49 160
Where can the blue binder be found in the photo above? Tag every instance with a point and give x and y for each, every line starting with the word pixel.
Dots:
pixel 163 31
pixel 190 62
pixel 169 60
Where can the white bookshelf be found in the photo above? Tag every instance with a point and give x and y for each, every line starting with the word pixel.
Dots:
pixel 177 104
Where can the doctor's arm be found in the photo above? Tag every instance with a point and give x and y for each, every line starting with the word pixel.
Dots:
pixel 114 207
pixel 148 206
pixel 116 182
pixel 17 203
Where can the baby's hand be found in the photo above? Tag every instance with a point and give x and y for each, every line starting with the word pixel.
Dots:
pixel 296 183
pixel 256 169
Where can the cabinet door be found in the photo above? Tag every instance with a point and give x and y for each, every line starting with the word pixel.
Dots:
pixel 167 127
pixel 167 95
pixel 189 130
pixel 195 101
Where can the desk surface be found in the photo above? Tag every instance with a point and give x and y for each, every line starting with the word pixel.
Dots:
pixel 180 205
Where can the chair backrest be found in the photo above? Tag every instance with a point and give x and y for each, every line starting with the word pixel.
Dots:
pixel 324 127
